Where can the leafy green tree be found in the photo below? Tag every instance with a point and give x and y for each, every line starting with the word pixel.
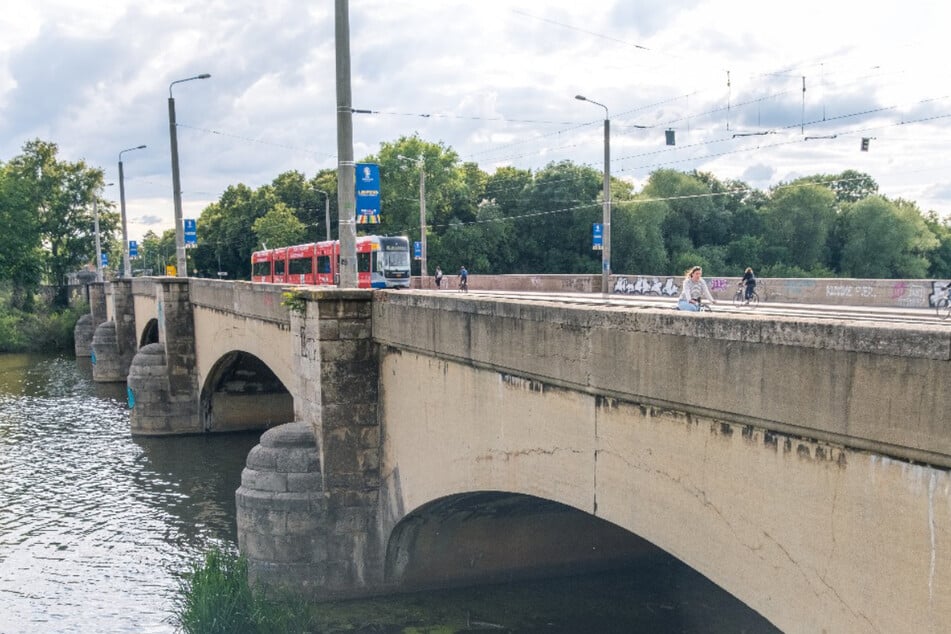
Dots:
pixel 554 230
pixel 885 239
pixel 21 258
pixel 57 195
pixel 799 218
pixel 637 239
pixel 694 215
pixel 399 186
pixel 939 257
pixel 279 227
pixel 225 229
pixel 850 186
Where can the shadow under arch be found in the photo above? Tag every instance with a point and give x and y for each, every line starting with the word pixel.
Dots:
pixel 150 334
pixel 242 393
pixel 494 536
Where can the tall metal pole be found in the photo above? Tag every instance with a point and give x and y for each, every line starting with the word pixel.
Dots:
pixel 126 264
pixel 421 165
pixel 181 263
pixel 95 214
pixel 346 192
pixel 326 210
pixel 606 253
pixel 606 212
pixel 423 269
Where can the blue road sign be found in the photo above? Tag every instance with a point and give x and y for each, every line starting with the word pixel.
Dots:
pixel 367 184
pixel 191 231
pixel 133 249
pixel 597 237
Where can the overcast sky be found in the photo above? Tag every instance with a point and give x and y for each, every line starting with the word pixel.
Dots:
pixel 493 80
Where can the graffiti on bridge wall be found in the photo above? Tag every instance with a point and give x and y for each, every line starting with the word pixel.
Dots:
pixel 646 286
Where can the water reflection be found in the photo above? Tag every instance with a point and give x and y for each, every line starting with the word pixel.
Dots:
pixel 95 527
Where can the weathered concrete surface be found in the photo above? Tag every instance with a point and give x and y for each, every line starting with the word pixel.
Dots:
pixel 813 536
pixel 740 448
pixel 875 387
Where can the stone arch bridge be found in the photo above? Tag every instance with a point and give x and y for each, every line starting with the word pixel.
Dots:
pixel 419 438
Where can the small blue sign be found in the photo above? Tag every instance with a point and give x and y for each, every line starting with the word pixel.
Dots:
pixel 417 250
pixel 133 249
pixel 367 184
pixel 104 258
pixel 597 237
pixel 191 231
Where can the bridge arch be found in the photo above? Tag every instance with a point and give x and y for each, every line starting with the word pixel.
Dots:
pixel 496 536
pixel 150 333
pixel 241 392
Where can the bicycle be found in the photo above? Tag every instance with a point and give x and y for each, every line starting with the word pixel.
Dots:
pixel 463 284
pixel 943 305
pixel 739 298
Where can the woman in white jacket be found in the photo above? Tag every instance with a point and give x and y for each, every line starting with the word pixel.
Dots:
pixel 693 289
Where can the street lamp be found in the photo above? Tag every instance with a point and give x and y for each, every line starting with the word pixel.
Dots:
pixel 126 265
pixel 182 270
pixel 95 215
pixel 326 210
pixel 606 231
pixel 421 164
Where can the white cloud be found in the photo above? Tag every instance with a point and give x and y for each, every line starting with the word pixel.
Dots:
pixel 498 81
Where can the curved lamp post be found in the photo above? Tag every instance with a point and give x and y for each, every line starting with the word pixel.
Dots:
pixel 606 231
pixel 126 265
pixel 180 262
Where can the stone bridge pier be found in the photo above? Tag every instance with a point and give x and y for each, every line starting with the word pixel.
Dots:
pixel 307 505
pixel 113 342
pixel 87 324
pixel 163 378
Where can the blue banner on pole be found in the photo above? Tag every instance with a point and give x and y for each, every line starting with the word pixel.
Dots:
pixel 104 258
pixel 133 249
pixel 367 183
pixel 417 250
pixel 597 237
pixel 191 231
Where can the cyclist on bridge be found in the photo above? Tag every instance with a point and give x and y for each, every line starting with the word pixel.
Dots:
pixel 749 282
pixel 694 289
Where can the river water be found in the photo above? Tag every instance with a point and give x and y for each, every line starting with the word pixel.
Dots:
pixel 97 527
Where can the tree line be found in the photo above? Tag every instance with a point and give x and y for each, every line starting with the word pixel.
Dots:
pixel 510 221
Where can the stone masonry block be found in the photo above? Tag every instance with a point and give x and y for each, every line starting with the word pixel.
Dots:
pixel 347 351
pixel 312 482
pixel 329 330
pixel 296 461
pixel 264 480
pixel 355 329
pixel 350 415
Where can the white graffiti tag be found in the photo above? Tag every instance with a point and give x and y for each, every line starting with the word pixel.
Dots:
pixel 646 286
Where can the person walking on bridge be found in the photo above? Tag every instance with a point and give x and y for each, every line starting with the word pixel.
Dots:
pixel 438 277
pixel 463 279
